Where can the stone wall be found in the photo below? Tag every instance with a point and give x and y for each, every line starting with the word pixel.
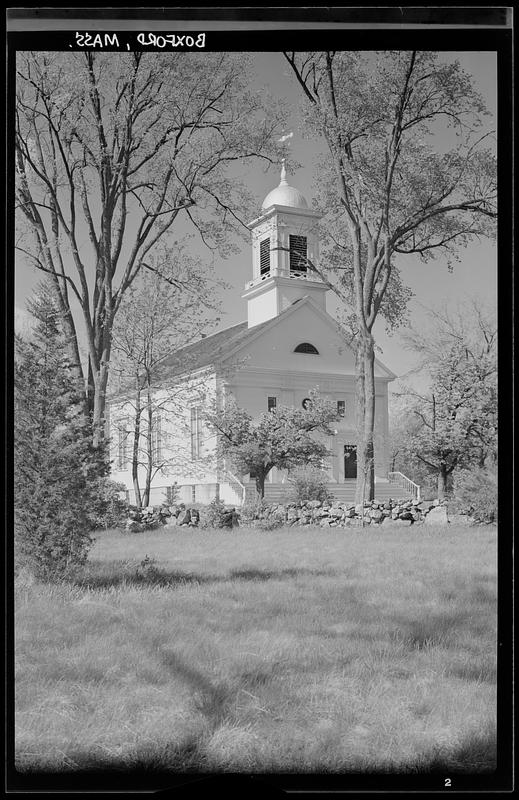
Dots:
pixel 343 514
pixel 327 514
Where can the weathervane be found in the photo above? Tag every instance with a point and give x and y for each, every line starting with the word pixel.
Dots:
pixel 284 138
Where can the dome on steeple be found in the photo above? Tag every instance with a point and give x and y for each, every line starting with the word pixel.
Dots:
pixel 284 195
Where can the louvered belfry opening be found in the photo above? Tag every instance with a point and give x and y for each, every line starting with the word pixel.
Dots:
pixel 265 257
pixel 298 253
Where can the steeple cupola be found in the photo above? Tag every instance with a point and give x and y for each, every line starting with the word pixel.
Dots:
pixel 284 195
pixel 285 243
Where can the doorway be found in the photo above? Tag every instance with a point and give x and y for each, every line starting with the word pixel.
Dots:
pixel 350 461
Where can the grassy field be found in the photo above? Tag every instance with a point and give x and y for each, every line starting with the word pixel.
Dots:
pixel 283 651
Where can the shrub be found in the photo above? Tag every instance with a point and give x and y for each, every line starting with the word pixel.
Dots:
pixel 171 495
pixel 108 509
pixel 214 514
pixel 309 483
pixel 270 523
pixel 476 489
pixel 52 532
pixel 252 510
pixel 147 569
pixel 428 487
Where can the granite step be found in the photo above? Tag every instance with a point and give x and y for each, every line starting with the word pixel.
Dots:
pixel 343 492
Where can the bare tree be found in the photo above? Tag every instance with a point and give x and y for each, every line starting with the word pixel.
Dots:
pixel 111 150
pixel 391 188
pixel 158 317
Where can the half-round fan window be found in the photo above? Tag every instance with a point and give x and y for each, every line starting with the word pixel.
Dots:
pixel 306 347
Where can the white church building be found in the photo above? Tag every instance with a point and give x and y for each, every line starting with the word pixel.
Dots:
pixel 287 345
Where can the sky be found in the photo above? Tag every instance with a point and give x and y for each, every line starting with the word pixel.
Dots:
pixel 432 284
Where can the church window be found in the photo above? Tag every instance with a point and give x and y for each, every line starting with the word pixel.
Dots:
pixel 306 347
pixel 196 434
pixel 341 408
pixel 156 439
pixel 172 494
pixel 271 403
pixel 122 443
pixel 265 257
pixel 298 253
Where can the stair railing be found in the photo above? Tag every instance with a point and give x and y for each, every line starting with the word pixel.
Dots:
pixel 242 487
pixel 405 483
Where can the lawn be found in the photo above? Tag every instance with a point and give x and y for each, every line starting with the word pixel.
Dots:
pixel 283 651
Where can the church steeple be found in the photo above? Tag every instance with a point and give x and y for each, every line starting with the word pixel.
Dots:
pixel 284 240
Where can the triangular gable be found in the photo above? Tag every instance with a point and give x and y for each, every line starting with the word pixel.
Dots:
pixel 305 305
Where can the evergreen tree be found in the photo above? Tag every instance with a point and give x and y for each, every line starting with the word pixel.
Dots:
pixel 56 466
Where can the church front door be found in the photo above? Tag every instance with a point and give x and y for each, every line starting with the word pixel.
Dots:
pixel 350 461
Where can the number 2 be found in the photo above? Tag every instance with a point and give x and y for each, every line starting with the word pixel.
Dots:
pixel 447 782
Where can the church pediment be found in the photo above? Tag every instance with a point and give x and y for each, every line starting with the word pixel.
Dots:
pixel 303 338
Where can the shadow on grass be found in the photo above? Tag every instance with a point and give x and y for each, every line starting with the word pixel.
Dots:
pixel 142 759
pixel 107 575
pixel 213 700
pixel 476 754
pixel 434 630
pixel 474 672
pixel 277 574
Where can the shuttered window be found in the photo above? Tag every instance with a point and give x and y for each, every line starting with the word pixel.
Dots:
pixel 156 439
pixel 122 443
pixel 298 253
pixel 196 434
pixel 265 256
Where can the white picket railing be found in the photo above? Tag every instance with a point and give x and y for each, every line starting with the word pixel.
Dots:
pixel 300 274
pixel 405 483
pixel 243 488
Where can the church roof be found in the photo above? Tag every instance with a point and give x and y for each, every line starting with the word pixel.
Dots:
pixel 205 351
pixel 209 350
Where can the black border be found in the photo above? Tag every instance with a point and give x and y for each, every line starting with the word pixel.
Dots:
pixel 366 15
pixel 488 39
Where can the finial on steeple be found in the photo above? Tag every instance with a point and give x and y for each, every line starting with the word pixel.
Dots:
pixel 283 180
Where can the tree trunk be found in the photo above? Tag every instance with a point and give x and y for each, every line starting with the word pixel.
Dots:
pixel 365 489
pixel 260 484
pixel 149 454
pixel 71 339
pixel 90 391
pixel 442 482
pixel 98 421
pixel 135 453
pixel 76 365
